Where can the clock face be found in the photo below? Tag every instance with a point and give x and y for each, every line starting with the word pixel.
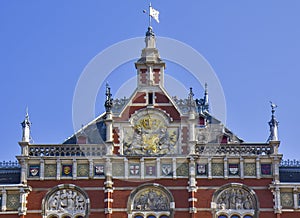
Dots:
pixel 150 135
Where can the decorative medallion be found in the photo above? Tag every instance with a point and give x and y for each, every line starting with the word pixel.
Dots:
pixel 82 170
pixel 182 169
pixel 201 169
pixel 217 169
pixel 134 169
pixel 13 201
pixel 118 169
pixel 250 169
pixel 34 170
pixel 233 169
pixel 50 170
pixel 66 170
pixel 286 199
pixel 149 135
pixel 99 170
pixel 166 169
pixel 266 169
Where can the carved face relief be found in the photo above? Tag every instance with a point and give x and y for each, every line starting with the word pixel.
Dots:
pixel 150 135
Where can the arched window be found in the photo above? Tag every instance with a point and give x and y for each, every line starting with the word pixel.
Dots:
pixel 138 216
pixel 164 216
pixel 66 201
pixel 248 216
pixel 222 216
pixel 235 216
pixel 151 216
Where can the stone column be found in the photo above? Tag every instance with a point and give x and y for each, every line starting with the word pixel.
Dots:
pixel 242 167
pixel 42 170
pixel 142 168
pixel 295 195
pixel 174 168
pixel 23 163
pixel 4 197
pixel 108 189
pixel 74 170
pixel 22 208
pixel 91 168
pixel 58 169
pixel 192 188
pixel 225 168
pixel 209 168
pixel 258 176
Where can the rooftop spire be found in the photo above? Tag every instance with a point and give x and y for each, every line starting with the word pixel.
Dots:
pixel 203 103
pixel 273 123
pixel 26 124
pixel 205 99
pixel 108 102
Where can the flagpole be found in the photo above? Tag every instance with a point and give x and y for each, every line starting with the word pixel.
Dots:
pixel 149 14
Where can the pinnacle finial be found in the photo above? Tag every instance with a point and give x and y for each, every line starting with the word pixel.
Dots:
pixel 203 103
pixel 109 101
pixel 191 101
pixel 26 124
pixel 273 123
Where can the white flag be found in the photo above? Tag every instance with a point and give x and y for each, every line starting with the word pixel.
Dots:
pixel 154 14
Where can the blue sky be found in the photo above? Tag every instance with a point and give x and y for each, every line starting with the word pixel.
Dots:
pixel 253 46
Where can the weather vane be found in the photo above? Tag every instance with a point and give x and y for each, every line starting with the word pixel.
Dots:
pixel 153 13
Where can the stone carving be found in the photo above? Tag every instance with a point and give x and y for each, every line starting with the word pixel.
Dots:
pixel 235 199
pixel 287 199
pixel 149 136
pixel 250 169
pixel 151 200
pixel 66 201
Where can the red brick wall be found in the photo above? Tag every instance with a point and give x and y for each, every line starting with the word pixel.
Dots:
pixel 139 98
pixel 161 98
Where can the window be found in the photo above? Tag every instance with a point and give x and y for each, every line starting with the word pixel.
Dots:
pixel 150 98
pixel 151 216
pixel 248 216
pixel 222 216
pixel 235 216
pixel 164 216
pixel 138 216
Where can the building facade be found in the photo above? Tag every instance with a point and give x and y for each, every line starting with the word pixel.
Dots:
pixel 151 156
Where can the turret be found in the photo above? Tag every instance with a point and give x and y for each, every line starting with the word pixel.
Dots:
pixel 150 68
